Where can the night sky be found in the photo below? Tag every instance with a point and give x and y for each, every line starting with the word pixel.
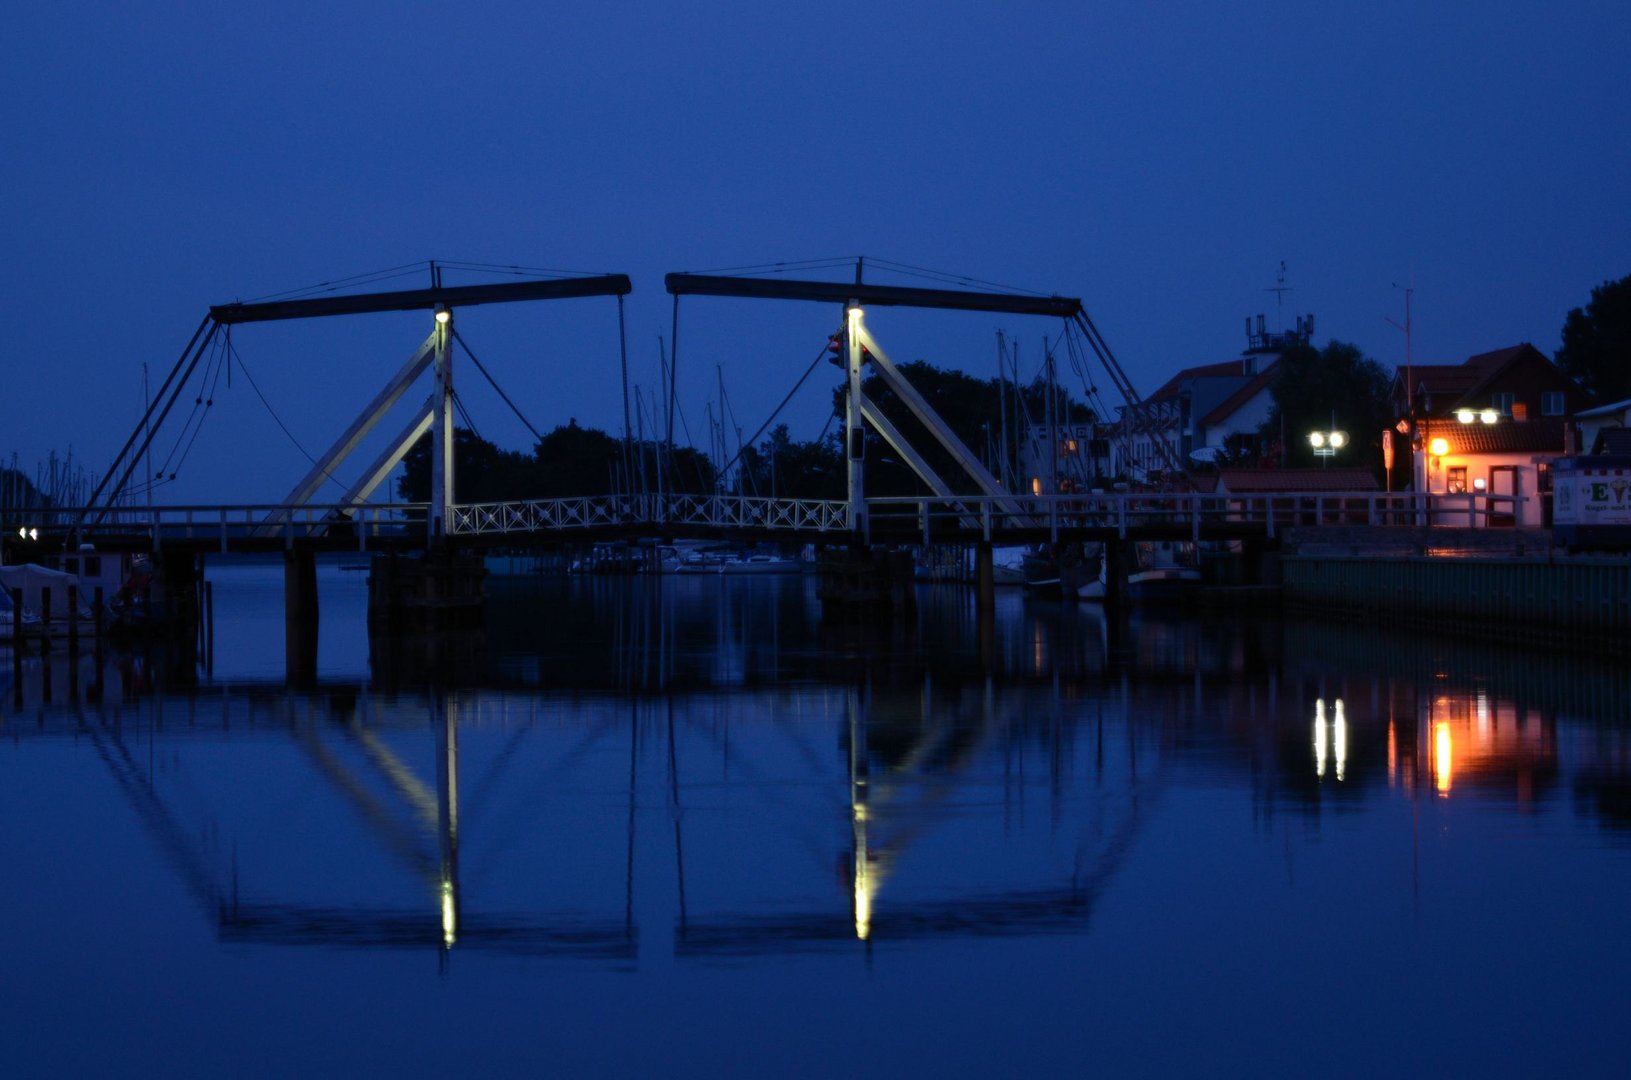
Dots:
pixel 1159 161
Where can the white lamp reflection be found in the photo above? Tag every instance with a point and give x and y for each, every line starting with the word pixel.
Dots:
pixel 1320 747
pixel 1330 740
pixel 1339 739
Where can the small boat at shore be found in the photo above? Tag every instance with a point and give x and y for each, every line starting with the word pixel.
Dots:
pixel 735 562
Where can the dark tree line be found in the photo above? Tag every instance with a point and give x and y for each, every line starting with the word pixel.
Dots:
pixel 568 461
pixel 572 460
pixel 1596 349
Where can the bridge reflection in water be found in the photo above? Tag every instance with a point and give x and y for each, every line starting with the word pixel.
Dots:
pixel 679 780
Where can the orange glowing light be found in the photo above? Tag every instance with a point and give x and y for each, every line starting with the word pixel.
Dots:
pixel 1443 766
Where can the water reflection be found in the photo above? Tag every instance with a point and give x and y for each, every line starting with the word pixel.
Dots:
pixel 626 773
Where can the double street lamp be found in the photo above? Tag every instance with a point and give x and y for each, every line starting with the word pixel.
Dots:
pixel 1327 443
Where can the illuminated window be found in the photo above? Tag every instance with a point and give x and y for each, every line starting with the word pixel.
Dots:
pixel 1551 403
pixel 1457 482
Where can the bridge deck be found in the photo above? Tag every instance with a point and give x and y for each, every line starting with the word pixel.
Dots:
pixel 590 519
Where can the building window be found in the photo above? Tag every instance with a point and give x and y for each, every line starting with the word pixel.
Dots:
pixel 1551 403
pixel 1502 403
pixel 1457 483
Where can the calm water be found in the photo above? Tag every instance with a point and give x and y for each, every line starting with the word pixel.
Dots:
pixel 684 829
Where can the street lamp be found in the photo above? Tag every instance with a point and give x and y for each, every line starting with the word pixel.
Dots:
pixel 1327 443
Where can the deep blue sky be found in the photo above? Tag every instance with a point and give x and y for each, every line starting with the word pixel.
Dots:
pixel 1157 160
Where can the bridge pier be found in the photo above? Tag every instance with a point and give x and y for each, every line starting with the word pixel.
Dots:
pixel 439 592
pixel 1115 574
pixel 867 582
pixel 300 617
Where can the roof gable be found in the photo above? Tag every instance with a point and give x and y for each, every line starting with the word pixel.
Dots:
pixel 1237 400
pixel 1222 369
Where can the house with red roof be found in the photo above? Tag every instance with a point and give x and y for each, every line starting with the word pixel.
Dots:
pixel 1490 426
pixel 1200 408
pixel 1518 382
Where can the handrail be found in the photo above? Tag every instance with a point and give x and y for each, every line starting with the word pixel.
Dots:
pixel 988 517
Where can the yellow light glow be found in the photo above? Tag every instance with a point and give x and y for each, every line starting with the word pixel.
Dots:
pixel 1489 416
pixel 443 315
pixel 1317 438
pixel 1438 447
pixel 1036 485
pixel 450 926
pixel 1443 766
pixel 1464 416
pixel 1338 439
pixel 863 905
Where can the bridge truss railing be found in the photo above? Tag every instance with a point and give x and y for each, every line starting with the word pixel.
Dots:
pixel 673 510
pixel 1196 513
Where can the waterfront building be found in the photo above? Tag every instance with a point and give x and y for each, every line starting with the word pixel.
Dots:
pixel 1206 410
pixel 1491 425
pixel 1518 382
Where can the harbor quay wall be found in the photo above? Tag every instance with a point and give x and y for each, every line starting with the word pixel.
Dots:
pixel 1571 601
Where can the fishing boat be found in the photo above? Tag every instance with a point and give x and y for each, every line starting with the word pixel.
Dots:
pixel 1164 570
pixel 1060 570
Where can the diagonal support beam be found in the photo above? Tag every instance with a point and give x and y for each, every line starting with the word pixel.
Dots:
pixel 388 396
pixel 897 442
pixel 931 420
pixel 387 462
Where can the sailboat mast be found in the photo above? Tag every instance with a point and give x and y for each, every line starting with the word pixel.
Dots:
pixel 1002 415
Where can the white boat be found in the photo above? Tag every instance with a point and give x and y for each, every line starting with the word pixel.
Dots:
pixel 1163 570
pixel 1008 565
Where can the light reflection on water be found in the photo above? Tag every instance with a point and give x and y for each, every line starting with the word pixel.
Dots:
pixel 691 825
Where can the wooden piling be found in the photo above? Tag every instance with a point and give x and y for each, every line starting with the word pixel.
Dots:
pixel 985 580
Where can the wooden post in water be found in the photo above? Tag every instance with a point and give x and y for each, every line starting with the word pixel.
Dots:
pixel 73 620
pixel 96 628
pixel 17 646
pixel 985 580
pixel 209 624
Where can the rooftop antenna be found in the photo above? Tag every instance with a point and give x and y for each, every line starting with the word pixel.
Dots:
pixel 1280 289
